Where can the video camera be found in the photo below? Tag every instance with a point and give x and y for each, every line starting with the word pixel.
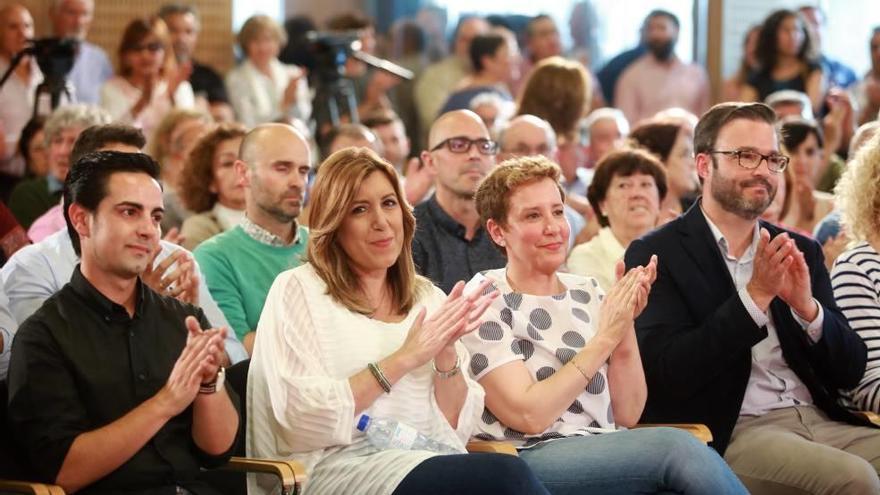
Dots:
pixel 55 57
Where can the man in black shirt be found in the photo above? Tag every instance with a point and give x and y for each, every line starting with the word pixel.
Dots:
pixel 112 386
pixel 449 244
pixel 183 26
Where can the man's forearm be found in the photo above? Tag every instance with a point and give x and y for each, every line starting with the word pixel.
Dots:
pixel 97 453
pixel 215 422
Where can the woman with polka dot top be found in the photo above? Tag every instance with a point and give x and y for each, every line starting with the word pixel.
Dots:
pixel 559 360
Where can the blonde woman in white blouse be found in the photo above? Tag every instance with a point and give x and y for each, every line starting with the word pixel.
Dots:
pixel 559 360
pixel 347 334
pixel 262 89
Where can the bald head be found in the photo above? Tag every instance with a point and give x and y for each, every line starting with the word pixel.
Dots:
pixel 527 135
pixel 267 139
pixel 452 123
pixel 274 164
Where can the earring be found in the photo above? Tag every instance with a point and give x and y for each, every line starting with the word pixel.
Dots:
pixel 502 243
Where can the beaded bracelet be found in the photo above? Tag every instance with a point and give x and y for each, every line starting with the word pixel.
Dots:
pixel 380 377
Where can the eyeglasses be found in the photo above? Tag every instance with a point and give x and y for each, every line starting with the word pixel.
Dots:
pixel 155 46
pixel 463 145
pixel 752 159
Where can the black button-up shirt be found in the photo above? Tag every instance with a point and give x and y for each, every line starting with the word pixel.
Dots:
pixel 443 254
pixel 80 362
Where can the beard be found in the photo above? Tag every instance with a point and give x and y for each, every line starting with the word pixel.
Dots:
pixel 662 50
pixel 729 194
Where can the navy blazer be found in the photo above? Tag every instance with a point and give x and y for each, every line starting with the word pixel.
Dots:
pixel 696 336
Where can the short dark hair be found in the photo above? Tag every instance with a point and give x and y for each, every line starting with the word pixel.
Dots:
pixel 349 21
pixel 656 137
pixel 623 163
pixel 710 124
pixel 98 136
pixel 86 183
pixel 530 25
pixel 484 45
pixel 31 129
pixel 663 13
pixel 796 130
pixel 380 119
pixel 178 8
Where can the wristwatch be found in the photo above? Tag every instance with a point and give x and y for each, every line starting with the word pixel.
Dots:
pixel 217 384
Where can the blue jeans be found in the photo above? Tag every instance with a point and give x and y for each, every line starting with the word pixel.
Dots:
pixel 471 474
pixel 649 460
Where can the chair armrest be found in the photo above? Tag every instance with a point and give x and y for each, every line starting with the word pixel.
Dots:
pixel 31 488
pixel 870 416
pixel 491 447
pixel 702 432
pixel 291 473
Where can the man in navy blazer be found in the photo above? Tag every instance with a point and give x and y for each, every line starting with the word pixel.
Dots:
pixel 741 331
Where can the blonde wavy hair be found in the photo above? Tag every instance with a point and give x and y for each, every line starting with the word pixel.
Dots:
pixel 857 194
pixel 338 181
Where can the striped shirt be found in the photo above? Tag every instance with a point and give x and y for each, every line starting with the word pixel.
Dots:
pixel 855 279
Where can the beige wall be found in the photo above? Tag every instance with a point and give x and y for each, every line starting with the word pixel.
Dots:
pixel 322 10
pixel 111 17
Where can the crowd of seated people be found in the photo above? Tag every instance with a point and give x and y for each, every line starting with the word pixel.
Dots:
pixel 583 263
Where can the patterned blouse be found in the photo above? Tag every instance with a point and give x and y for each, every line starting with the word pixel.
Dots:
pixel 545 333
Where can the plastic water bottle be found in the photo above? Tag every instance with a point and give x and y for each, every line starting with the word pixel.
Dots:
pixel 387 433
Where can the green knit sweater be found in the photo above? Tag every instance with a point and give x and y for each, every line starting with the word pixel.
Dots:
pixel 240 270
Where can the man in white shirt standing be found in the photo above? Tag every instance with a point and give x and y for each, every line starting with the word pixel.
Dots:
pixel 741 331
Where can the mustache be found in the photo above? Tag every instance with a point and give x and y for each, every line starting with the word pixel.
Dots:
pixel 756 181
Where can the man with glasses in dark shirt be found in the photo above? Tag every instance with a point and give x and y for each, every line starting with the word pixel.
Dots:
pixel 112 386
pixel 449 244
pixel 741 331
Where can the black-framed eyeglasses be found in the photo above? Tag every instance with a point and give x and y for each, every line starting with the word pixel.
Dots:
pixel 751 160
pixel 460 144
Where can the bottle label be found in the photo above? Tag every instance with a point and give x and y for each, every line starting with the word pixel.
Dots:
pixel 403 437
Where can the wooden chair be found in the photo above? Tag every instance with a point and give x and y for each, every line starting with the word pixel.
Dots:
pixel 12 473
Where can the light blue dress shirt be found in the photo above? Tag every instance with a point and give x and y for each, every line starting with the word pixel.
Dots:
pixel 7 330
pixel 91 69
pixel 37 271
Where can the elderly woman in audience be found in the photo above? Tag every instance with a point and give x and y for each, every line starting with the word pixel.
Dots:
pixel 559 360
pixel 355 331
pixel 626 193
pixel 803 143
pixel 209 186
pixel 785 60
pixel 673 144
pixel 558 91
pixel 855 277
pixel 262 89
pixel 149 83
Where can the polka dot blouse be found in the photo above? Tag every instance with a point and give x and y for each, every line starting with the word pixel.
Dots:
pixel 545 333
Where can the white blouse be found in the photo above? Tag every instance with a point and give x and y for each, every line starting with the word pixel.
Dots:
pixel 256 97
pixel 118 96
pixel 545 333
pixel 300 404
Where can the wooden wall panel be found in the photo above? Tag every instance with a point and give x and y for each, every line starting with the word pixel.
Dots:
pixel 111 16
